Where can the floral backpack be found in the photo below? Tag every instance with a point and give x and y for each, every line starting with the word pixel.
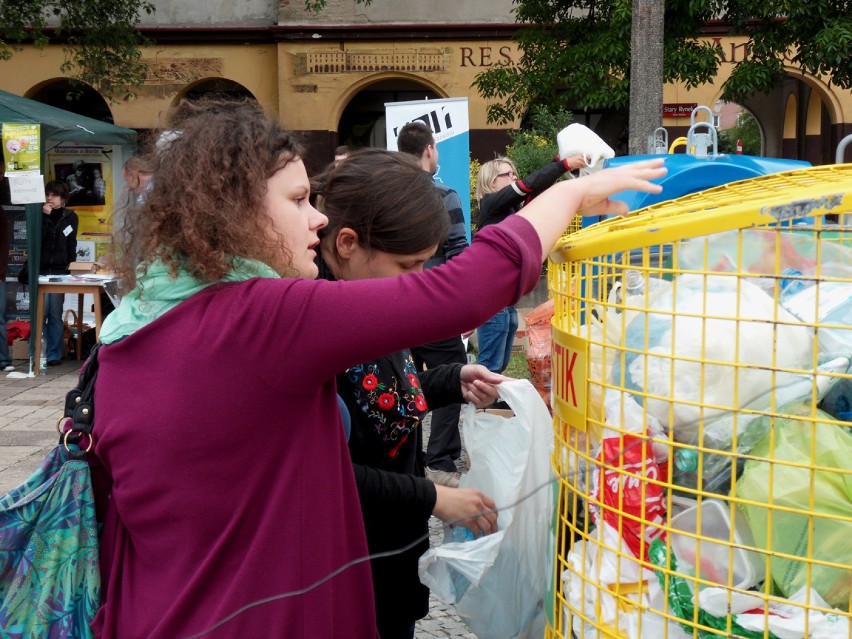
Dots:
pixel 49 573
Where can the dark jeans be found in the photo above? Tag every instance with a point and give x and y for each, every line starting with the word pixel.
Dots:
pixel 54 328
pixel 495 339
pixel 444 441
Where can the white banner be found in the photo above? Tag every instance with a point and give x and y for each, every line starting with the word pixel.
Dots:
pixel 450 124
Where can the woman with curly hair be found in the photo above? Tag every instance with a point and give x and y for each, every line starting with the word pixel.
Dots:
pixel 219 461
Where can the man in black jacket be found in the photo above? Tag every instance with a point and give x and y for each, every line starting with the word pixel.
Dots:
pixel 415 138
pixel 58 249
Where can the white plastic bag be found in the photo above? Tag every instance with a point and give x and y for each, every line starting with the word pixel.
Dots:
pixel 578 139
pixel 497 583
pixel 789 619
pixel 705 342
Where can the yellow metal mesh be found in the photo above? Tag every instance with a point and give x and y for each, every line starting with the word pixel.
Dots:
pixel 677 342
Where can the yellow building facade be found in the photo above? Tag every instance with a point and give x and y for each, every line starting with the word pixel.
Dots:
pixel 331 82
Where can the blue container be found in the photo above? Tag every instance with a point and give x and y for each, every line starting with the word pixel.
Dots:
pixel 688 174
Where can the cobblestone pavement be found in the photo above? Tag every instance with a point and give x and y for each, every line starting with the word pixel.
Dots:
pixel 29 410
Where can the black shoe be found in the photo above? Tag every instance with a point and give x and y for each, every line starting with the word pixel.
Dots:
pixel 53 362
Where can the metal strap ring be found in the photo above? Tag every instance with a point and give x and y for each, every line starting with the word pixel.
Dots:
pixel 65 441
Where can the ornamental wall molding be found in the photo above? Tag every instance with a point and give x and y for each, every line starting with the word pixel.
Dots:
pixel 165 77
pixel 427 60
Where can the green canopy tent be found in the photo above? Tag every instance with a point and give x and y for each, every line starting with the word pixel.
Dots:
pixel 57 125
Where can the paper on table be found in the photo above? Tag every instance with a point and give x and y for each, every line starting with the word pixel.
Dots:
pixel 96 277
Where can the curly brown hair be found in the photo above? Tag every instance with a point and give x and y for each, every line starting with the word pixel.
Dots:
pixel 206 203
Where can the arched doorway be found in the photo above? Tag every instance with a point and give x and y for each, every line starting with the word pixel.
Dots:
pixel 796 121
pixel 73 96
pixel 362 122
pixel 738 130
pixel 221 88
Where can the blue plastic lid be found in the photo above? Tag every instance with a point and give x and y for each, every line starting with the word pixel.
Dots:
pixel 688 174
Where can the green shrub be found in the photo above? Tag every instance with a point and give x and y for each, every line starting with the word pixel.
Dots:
pixel 534 145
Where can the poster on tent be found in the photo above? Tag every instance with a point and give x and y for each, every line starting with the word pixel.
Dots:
pixel 450 124
pixel 87 171
pixel 17 295
pixel 21 150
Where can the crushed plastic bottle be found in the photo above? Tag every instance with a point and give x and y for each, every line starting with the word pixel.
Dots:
pixel 821 303
pixel 631 289
pixel 42 362
pixel 460 534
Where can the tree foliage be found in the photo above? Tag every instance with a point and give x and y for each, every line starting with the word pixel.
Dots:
pixel 577 52
pixel 745 131
pixel 815 35
pixel 534 145
pixel 100 37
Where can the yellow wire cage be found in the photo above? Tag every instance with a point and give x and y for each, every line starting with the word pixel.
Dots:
pixel 701 396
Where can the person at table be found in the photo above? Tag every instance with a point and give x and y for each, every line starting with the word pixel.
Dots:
pixel 58 249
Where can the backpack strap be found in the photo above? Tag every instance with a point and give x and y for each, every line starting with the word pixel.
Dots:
pixel 80 405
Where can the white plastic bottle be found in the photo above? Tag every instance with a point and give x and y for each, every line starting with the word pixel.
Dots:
pixel 42 362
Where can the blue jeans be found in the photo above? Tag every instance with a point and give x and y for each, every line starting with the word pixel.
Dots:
pixel 5 360
pixel 53 326
pixel 495 339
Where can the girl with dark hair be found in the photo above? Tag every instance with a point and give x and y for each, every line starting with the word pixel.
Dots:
pixel 387 397
pixel 221 470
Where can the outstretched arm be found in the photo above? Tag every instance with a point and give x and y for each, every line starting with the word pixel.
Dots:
pixel 551 212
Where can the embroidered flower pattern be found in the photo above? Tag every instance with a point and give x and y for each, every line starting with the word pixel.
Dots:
pixel 387 391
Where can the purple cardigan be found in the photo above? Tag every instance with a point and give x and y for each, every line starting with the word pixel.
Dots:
pixel 220 465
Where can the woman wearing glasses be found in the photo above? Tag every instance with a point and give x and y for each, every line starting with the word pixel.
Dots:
pixel 501 193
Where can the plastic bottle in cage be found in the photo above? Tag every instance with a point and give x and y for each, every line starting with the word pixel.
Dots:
pixel 821 304
pixel 634 282
pixel 42 362
pixel 631 289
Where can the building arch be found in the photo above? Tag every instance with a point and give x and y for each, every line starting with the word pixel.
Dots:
pixel 360 112
pixel 213 86
pixel 827 95
pixel 72 95
pixel 723 110
pixel 772 112
pixel 375 82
